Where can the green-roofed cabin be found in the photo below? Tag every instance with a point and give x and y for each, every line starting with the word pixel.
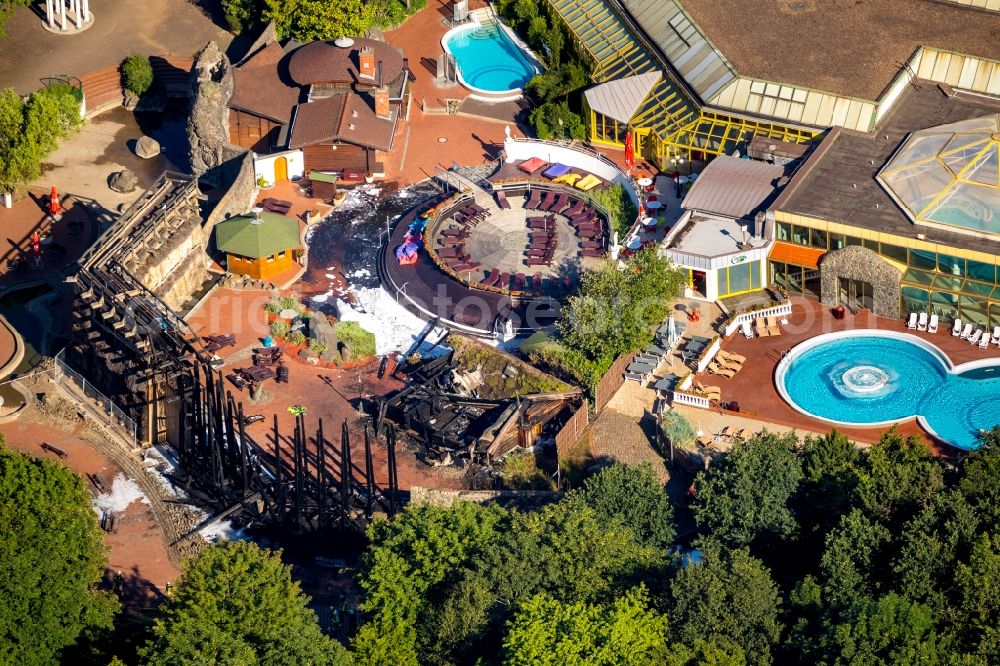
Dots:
pixel 259 245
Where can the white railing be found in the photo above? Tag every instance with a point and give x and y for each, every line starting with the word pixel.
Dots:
pixel 780 310
pixel 680 398
pixel 709 355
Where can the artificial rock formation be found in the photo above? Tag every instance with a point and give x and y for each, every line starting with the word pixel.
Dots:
pixel 208 122
pixel 855 262
pixel 147 147
pixel 123 181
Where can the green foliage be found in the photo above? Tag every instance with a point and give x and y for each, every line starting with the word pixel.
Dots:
pixel 850 562
pixel 554 120
pixel 358 340
pixel 558 82
pixel 547 632
pixel 901 475
pixel 237 604
pixel 495 367
pixel 297 338
pixel 677 429
pixel 980 482
pixel 616 311
pixel 137 74
pixel 7 11
pixel 53 557
pixel 746 497
pixel 31 129
pixel 621 211
pixel 726 598
pixel 978 586
pixel 521 472
pixel 279 328
pixel 308 20
pixel 634 498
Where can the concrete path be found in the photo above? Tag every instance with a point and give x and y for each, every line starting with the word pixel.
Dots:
pixel 163 27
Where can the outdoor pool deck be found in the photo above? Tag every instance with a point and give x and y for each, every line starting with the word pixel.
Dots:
pixel 754 389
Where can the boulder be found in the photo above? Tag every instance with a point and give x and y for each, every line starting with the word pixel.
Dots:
pixel 321 330
pixel 123 181
pixel 147 147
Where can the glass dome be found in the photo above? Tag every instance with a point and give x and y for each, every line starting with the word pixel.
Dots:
pixel 950 175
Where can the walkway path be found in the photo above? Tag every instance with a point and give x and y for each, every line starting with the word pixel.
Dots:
pixel 177 27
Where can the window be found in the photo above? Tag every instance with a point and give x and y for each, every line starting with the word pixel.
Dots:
pixel 281 255
pixel 837 241
pixel 951 265
pixel 683 28
pixel 893 252
pixel 784 231
pixel 871 245
pixel 980 271
pixel 270 259
pixel 738 279
pixel 852 240
pixel 817 238
pixel 923 259
pixel 800 235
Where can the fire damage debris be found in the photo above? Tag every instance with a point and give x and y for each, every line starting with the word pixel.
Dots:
pixel 442 408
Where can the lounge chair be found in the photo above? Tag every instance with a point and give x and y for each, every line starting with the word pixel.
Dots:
pixel 932 327
pixel 736 357
pixel 974 338
pixel 533 199
pixel 911 323
pixel 550 198
pixel 996 336
pixel 502 200
pixel 966 332
pixel 956 328
pixel 729 364
pixel 761 327
pixel 747 331
pixel 589 182
pixel 984 342
pixel 716 369
pixel 922 322
pixel 772 326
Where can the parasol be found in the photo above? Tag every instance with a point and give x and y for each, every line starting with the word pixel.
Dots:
pixel 629 151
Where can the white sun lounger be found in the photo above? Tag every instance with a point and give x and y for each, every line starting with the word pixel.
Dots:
pixel 974 340
pixel 932 327
pixel 922 322
pixel 912 321
pixel 747 331
pixel 984 342
pixel 956 328
pixel 966 332
pixel 996 336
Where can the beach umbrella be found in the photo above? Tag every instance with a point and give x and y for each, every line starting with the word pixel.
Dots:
pixel 629 151
pixel 54 206
pixel 671 332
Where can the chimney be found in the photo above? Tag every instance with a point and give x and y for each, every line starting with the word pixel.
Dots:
pixel 366 62
pixel 382 102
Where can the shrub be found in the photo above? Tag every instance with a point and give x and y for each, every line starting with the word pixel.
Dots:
pixel 677 429
pixel 360 341
pixel 520 472
pixel 137 74
pixel 297 338
pixel 280 328
pixel 317 347
pixel 621 211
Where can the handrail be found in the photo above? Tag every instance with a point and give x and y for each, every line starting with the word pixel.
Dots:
pixel 573 145
pixel 681 398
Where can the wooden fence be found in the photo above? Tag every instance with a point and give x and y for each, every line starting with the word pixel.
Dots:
pixel 611 382
pixel 572 430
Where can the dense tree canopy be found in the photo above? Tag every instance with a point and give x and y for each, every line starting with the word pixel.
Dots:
pixel 307 20
pixel 7 8
pixel 53 556
pixel 30 129
pixel 237 604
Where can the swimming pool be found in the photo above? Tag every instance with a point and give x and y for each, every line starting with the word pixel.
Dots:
pixel 488 61
pixel 876 378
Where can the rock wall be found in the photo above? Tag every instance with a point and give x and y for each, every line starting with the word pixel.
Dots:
pixel 240 196
pixel 208 123
pixel 859 263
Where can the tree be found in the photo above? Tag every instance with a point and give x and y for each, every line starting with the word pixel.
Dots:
pixel 7 8
pixel 980 479
pixel 137 74
pixel 677 429
pixel 854 560
pixel 53 557
pixel 978 603
pixel 237 604
pixel 726 598
pixel 30 129
pixel 555 120
pixel 900 475
pixel 633 497
pixel 547 632
pixel 893 631
pixel 745 497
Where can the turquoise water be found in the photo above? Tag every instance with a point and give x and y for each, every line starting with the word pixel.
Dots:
pixel 868 379
pixel 488 59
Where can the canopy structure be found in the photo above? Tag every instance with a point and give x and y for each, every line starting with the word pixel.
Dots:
pixel 949 175
pixel 257 235
pixel 621 98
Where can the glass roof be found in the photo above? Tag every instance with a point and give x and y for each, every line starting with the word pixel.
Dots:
pixel 950 175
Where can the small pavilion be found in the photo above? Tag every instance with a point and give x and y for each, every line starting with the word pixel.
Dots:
pixel 259 245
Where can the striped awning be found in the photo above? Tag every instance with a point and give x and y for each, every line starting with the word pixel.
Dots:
pixel 796 254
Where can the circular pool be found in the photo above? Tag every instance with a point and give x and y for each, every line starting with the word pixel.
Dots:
pixel 875 378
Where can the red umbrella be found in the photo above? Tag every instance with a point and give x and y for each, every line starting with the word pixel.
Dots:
pixel 54 206
pixel 629 151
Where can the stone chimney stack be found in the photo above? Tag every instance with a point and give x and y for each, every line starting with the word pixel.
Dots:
pixel 382 102
pixel 366 62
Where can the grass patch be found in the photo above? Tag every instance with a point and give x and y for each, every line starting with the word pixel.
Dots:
pixel 574 464
pixel 358 340
pixel 503 375
pixel 521 472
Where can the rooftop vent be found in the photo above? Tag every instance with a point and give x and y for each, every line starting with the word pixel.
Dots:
pixel 350 126
pixel 344 42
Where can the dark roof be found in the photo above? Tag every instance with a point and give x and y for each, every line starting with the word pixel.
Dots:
pixel 261 87
pixel 847 47
pixel 734 187
pixel 324 62
pixel 837 182
pixel 344 117
pixel 274 233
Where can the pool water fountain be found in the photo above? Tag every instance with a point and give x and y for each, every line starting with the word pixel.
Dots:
pixel 864 380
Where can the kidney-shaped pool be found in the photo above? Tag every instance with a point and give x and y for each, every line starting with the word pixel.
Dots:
pixel 872 378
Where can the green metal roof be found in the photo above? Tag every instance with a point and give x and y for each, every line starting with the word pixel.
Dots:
pixel 246 236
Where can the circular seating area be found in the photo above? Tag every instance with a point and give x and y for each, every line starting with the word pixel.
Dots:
pixel 529 242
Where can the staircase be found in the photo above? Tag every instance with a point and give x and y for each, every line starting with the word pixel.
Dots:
pixel 172 74
pixel 462 183
pixel 102 89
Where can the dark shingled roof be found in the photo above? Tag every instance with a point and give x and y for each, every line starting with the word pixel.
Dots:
pixel 847 47
pixel 261 87
pixel 324 62
pixel 824 186
pixel 345 117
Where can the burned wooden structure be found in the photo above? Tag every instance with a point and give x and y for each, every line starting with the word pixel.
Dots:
pixel 138 351
pixel 436 412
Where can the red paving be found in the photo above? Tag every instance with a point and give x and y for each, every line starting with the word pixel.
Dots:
pixel 325 392
pixel 137 547
pixel 753 386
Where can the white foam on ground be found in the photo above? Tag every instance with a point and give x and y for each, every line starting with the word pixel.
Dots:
pixel 361 272
pixel 161 461
pixel 321 298
pixel 123 492
pixel 394 326
pixel 222 530
pixel 331 276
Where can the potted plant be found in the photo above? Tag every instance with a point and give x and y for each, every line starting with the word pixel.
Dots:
pixel 262 183
pixel 369 177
